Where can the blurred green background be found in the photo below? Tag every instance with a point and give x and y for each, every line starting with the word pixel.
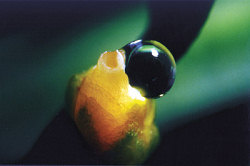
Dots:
pixel 36 64
pixel 215 71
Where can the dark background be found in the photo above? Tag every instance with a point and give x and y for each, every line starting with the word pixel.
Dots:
pixel 219 139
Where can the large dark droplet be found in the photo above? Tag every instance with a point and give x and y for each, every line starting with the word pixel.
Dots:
pixel 150 66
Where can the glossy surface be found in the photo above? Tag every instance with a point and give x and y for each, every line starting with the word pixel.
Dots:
pixel 219 53
pixel 37 68
pixel 112 116
pixel 150 66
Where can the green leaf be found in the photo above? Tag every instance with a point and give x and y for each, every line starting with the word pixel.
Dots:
pixel 33 89
pixel 215 72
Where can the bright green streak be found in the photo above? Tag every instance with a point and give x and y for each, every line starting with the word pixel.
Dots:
pixel 33 91
pixel 215 70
